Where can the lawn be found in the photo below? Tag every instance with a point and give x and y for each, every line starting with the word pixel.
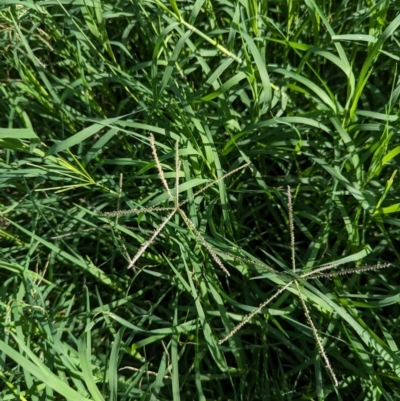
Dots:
pixel 199 200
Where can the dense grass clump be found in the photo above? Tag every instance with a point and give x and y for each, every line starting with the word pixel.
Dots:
pixel 199 200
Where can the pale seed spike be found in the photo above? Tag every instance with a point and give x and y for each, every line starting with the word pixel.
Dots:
pixel 291 228
pixel 177 170
pixel 88 230
pixel 203 242
pixel 146 244
pixel 121 177
pixel 136 211
pixel 348 271
pixel 212 183
pixel 255 311
pixel 329 266
pixel 317 337
pixel 160 170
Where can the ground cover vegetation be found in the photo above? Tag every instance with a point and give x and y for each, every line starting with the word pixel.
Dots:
pixel 199 200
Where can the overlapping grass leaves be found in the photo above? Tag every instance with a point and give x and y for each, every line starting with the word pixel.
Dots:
pixel 307 93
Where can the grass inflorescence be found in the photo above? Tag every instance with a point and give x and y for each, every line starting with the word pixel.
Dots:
pixel 149 246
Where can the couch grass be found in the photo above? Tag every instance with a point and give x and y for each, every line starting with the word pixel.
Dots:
pixel 306 93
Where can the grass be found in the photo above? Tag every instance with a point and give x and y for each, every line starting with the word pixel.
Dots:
pixel 174 210
pixel 224 104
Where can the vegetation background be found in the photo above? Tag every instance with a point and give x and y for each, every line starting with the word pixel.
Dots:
pixel 306 92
